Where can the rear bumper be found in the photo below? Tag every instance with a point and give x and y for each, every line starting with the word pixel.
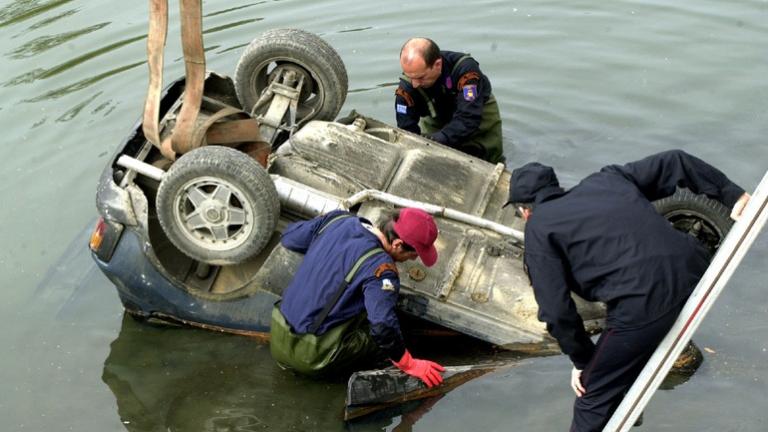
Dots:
pixel 145 291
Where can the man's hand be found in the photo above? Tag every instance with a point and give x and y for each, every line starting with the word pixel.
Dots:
pixel 738 208
pixel 576 382
pixel 425 370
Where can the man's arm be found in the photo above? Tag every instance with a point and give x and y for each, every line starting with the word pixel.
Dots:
pixel 380 299
pixel 658 175
pixel 556 307
pixel 470 99
pixel 406 112
pixel 299 235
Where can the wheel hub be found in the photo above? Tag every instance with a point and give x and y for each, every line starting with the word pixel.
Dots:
pixel 298 72
pixel 214 214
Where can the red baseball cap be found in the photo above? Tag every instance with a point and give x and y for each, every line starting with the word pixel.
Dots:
pixel 417 228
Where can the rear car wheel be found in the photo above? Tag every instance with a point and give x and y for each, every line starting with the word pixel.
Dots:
pixel 307 55
pixel 218 205
pixel 705 219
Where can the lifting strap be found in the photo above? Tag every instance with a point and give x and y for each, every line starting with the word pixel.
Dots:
pixel 181 140
pixel 158 30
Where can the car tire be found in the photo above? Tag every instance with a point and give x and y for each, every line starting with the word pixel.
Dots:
pixel 706 219
pixel 218 205
pixel 326 79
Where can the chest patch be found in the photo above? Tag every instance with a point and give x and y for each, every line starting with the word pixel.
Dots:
pixel 470 92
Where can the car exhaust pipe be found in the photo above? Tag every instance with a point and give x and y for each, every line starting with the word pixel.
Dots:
pixel 141 167
pixel 311 202
pixel 308 201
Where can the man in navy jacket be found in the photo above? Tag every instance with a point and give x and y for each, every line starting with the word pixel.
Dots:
pixel 604 241
pixel 339 309
pixel 444 96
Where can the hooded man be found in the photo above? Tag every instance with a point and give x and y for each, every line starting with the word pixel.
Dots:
pixel 604 241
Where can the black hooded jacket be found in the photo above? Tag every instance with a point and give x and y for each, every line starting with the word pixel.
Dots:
pixel 604 240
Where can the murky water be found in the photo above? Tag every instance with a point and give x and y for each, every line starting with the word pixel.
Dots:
pixel 581 83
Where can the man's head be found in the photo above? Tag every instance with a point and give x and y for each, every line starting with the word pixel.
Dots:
pixel 411 233
pixel 526 182
pixel 421 62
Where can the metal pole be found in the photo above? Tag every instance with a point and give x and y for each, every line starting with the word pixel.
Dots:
pixel 710 286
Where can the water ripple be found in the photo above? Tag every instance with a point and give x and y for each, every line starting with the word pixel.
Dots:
pixel 40 73
pixel 22 10
pixel 224 11
pixel 50 20
pixel 62 91
pixel 231 25
pixel 44 43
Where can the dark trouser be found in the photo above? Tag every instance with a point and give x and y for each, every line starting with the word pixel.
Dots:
pixel 486 143
pixel 619 357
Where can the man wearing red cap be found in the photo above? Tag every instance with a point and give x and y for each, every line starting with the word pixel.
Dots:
pixel 339 310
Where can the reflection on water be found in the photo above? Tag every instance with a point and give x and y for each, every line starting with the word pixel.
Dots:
pixel 179 379
pixel 183 379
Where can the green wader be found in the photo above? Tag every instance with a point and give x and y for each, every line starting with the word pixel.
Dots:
pixel 336 350
pixel 486 142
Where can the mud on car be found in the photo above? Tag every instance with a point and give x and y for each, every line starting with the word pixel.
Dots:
pixel 190 233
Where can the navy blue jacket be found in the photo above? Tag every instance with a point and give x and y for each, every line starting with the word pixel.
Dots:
pixel 604 240
pixel 461 111
pixel 328 257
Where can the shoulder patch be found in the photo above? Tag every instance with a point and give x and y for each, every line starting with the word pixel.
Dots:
pixel 387 285
pixel 469 76
pixel 385 267
pixel 401 109
pixel 405 95
pixel 470 92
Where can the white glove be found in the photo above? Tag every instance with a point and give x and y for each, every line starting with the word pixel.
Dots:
pixel 576 382
pixel 738 208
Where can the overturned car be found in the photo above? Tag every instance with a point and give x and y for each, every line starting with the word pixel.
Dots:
pixel 190 233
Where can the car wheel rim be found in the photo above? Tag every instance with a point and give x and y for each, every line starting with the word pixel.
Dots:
pixel 311 98
pixel 698 226
pixel 213 213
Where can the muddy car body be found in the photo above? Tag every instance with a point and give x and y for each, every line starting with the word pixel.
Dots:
pixel 161 239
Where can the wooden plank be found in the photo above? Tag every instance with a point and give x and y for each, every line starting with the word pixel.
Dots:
pixel 371 391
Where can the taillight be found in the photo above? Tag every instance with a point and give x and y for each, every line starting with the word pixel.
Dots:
pixel 104 238
pixel 98 235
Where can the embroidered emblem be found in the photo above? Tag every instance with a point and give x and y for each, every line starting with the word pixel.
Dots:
pixel 385 267
pixel 448 82
pixel 405 95
pixel 401 109
pixel 387 285
pixel 470 92
pixel 469 76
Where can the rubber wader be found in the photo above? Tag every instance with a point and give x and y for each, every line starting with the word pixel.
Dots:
pixel 336 350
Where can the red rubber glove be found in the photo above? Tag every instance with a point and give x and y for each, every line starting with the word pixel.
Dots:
pixel 425 370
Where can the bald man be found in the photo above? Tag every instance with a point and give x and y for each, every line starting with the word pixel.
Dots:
pixel 444 96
